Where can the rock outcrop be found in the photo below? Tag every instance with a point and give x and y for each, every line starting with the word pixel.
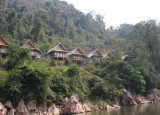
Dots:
pixel 127 98
pixel 32 105
pixel 86 108
pixel 53 110
pixel 11 112
pixel 116 106
pixel 3 110
pixel 42 107
pixel 8 105
pixel 21 109
pixel 155 91
pixel 72 105
pixel 153 97
pixel 108 107
pixel 140 99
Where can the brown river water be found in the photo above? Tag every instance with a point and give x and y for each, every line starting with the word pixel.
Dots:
pixel 144 109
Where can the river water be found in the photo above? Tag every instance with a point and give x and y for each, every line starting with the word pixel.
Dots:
pixel 144 109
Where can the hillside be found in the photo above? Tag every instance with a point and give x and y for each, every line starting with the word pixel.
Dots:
pixel 48 22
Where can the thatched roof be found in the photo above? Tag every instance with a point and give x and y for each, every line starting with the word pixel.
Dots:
pixel 94 53
pixel 29 44
pixel 58 47
pixel 76 51
pixel 3 41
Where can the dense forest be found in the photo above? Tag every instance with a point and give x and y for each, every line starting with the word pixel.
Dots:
pixel 48 22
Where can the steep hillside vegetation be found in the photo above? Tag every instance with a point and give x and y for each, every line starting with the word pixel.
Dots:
pixel 49 22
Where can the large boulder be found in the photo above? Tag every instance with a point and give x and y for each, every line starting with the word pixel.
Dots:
pixel 152 97
pixel 155 91
pixel 21 109
pixel 116 106
pixel 42 107
pixel 72 106
pixel 53 110
pixel 3 110
pixel 107 107
pixel 8 105
pixel 86 108
pixel 140 99
pixel 32 105
pixel 11 112
pixel 127 98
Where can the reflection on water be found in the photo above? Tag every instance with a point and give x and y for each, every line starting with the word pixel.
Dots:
pixel 144 109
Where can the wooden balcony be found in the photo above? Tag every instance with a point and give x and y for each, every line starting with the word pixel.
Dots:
pixel 79 59
pixel 59 55
pixel 35 54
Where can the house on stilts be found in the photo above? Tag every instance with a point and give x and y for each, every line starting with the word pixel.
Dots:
pixel 94 56
pixel 57 52
pixel 34 52
pixel 77 56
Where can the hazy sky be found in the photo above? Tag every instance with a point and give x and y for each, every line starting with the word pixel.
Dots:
pixel 120 11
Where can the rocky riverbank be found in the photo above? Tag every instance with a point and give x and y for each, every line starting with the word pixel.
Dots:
pixel 72 105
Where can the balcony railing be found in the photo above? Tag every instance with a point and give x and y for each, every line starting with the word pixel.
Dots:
pixel 59 55
pixel 4 51
pixel 35 54
pixel 79 59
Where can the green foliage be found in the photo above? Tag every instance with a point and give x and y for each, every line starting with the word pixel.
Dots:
pixel 67 62
pixel 122 73
pixel 53 62
pixel 53 20
pixel 29 78
pixel 151 77
pixel 142 40
pixel 75 81
pixel 17 56
pixel 57 21
pixel 98 88
pixel 3 77
pixel 1 61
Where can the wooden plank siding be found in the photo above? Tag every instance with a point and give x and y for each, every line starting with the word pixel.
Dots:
pixel 4 47
pixel 57 52
pixel 77 56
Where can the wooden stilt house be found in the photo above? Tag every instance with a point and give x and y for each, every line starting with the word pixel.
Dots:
pixel 57 52
pixel 4 50
pixel 94 56
pixel 77 56
pixel 35 52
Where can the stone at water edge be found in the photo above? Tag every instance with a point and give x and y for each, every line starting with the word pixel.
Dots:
pixel 86 108
pixel 8 105
pixel 140 99
pixel 116 106
pixel 31 105
pixel 152 97
pixel 3 110
pixel 127 98
pixel 107 107
pixel 53 110
pixel 21 109
pixel 72 105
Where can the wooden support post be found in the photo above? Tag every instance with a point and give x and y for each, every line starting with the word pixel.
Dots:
pixel 63 56
pixel 81 61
